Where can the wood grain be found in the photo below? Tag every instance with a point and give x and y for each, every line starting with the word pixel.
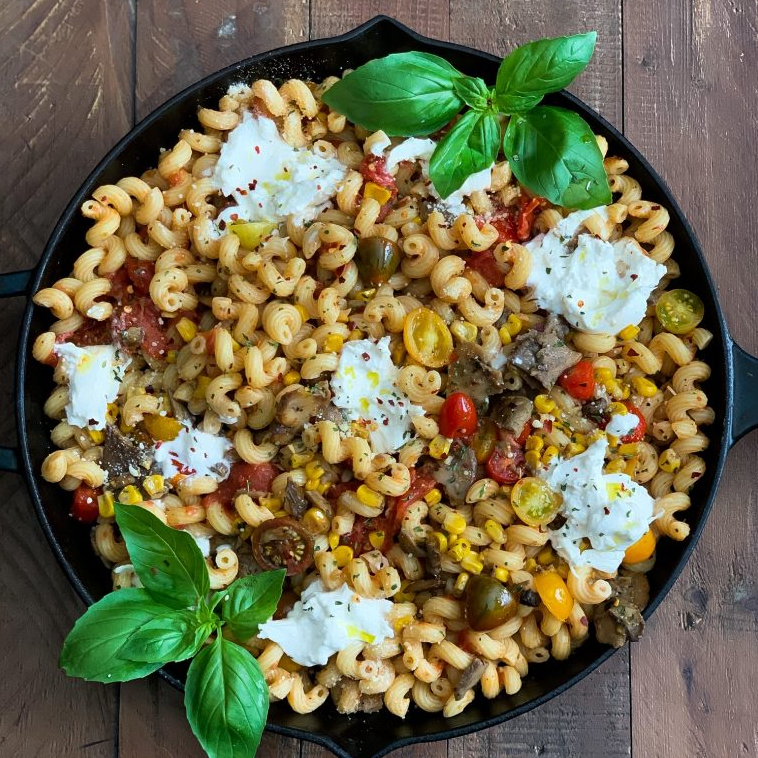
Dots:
pixel 691 100
pixel 66 97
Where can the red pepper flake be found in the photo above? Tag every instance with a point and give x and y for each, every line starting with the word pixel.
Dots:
pixel 234 217
pixel 580 303
pixel 634 276
pixel 607 510
pixel 257 150
pixel 252 185
pixel 386 421
pixel 583 621
pixel 365 356
pixel 631 351
pixel 655 207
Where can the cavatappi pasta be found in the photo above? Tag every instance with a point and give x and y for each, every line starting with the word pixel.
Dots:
pixel 236 330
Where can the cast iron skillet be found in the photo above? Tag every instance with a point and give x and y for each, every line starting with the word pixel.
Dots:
pixel 731 388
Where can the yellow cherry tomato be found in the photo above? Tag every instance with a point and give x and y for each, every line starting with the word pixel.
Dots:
pixel 534 502
pixel 679 311
pixel 252 233
pixel 554 594
pixel 427 338
pixel 642 549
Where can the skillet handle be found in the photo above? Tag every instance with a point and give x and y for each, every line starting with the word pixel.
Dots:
pixel 13 284
pixel 745 392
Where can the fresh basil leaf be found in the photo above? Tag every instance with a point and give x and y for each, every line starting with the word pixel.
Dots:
pixel 226 698
pixel 167 561
pixel 174 636
pixel 92 650
pixel 553 152
pixel 251 601
pixel 470 146
pixel 546 65
pixel 473 91
pixel 405 94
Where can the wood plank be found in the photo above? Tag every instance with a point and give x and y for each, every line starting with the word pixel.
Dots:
pixel 690 63
pixel 66 94
pixel 502 25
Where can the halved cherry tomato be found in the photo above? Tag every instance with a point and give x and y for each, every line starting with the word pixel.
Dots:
pixel 554 594
pixel 488 603
pixel 484 263
pixel 140 273
pixel 421 485
pixel 374 169
pixel 642 549
pixel 253 477
pixel 579 380
pixel 525 432
pixel 506 464
pixel 283 543
pixel 484 440
pixel 526 217
pixel 679 311
pixel 377 259
pixel 427 338
pixel 458 416
pixel 84 506
pixel 504 220
pixel 534 502
pixel 636 434
pixel 144 315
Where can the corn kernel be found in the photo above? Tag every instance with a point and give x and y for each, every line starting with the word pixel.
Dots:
pixel 631 467
pixel 544 404
pixel 271 502
pixel 618 408
pixel 111 413
pixel 629 332
pixel 454 523
pixel 505 335
pixel 616 466
pixel 644 387
pixel 472 564
pixel 366 295
pixel 603 374
pixel 376 538
pixel 186 328
pixel 625 391
pixel 312 484
pixel 333 539
pixel 130 495
pixel 235 345
pixel 343 317
pixel 343 554
pixel 316 521
pixel 125 428
pixel 201 385
pixel 533 458
pixel 613 388
pixel 96 436
pixel 313 470
pixel 323 487
pixel 153 485
pixel 628 449
pixel 398 353
pixel 460 582
pixel 304 315
pixel 550 452
pixel 433 497
pixel 291 377
pixel 514 324
pixel 298 460
pixel 369 497
pixel 105 504
pixel 545 556
pixel 359 430
pixel 460 550
pixel 356 334
pixel 501 574
pixel 465 331
pixel 670 461
pixel 494 531
pixel 375 192
pixel 171 356
pixel 440 540
pixel 439 447
pixel 534 442
pixel 281 513
pixel 401 622
pixel 530 564
pixel 333 343
pixel 572 449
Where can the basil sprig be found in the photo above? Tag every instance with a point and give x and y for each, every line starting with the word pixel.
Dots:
pixel 131 633
pixel 416 94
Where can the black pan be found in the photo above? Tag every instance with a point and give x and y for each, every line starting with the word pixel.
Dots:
pixel 731 388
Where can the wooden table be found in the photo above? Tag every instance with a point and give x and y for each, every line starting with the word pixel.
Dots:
pixel 680 78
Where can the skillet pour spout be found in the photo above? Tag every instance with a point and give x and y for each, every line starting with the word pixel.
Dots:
pixel 731 387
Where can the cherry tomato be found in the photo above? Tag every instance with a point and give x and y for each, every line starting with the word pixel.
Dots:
pixel 377 259
pixel 427 338
pixel 84 507
pixel 252 233
pixel 484 263
pixel 210 340
pixel 554 594
pixel 140 273
pixel 421 485
pixel 488 603
pixel 525 432
pixel 458 416
pixel 506 464
pixel 484 440
pixel 374 169
pixel 639 432
pixel 253 477
pixel 534 502
pixel 143 315
pixel 642 549
pixel 504 220
pixel 283 543
pixel 526 217
pixel 679 311
pixel 579 381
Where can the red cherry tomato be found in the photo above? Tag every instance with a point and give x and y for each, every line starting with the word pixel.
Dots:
pixel 254 477
pixel 374 169
pixel 506 464
pixel 526 218
pixel 525 432
pixel 142 314
pixel 636 434
pixel 579 381
pixel 485 264
pixel 140 274
pixel 283 543
pixel 421 485
pixel 458 416
pixel 504 220
pixel 84 507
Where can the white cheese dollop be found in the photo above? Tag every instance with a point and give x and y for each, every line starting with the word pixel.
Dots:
pixel 601 286
pixel 622 424
pixel 364 386
pixel 269 179
pixel 94 377
pixel 322 623
pixel 194 453
pixel 203 543
pixel 611 511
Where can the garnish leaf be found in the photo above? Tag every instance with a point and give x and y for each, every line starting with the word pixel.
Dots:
pixel 167 561
pixel 251 601
pixel 470 146
pixel 405 94
pixel 174 636
pixel 93 648
pixel 531 71
pixel 553 152
pixel 226 698
pixel 473 91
